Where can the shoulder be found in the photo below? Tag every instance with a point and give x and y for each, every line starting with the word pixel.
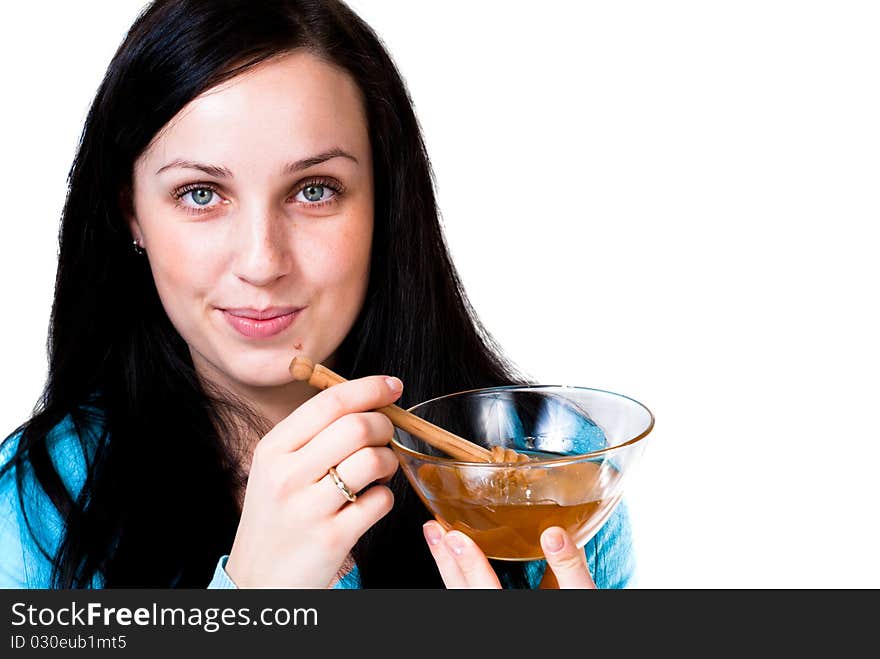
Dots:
pixel 31 527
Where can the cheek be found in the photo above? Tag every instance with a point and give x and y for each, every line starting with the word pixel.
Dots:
pixel 184 269
pixel 343 262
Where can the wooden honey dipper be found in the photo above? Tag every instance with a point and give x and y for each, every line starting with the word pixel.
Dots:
pixel 321 377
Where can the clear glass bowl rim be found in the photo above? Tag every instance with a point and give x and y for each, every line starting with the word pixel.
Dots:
pixel 543 463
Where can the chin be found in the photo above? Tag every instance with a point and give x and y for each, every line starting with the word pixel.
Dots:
pixel 251 379
pixel 263 371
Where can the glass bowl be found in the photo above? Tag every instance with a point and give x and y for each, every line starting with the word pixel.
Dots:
pixel 583 444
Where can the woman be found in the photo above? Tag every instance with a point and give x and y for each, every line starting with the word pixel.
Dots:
pixel 251 184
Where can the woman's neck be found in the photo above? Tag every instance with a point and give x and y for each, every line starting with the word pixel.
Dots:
pixel 272 404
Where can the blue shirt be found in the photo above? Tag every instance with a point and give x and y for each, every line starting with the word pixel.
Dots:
pixel 25 553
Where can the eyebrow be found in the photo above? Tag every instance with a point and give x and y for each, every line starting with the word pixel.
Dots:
pixel 290 168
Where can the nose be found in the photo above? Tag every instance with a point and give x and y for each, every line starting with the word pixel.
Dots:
pixel 262 252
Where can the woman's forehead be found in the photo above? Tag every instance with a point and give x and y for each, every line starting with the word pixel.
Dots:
pixel 290 106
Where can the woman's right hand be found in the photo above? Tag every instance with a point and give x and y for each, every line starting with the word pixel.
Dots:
pixel 297 527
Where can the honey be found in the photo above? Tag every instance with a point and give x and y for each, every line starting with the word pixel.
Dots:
pixel 505 510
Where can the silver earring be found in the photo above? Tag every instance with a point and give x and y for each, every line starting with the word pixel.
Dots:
pixel 140 251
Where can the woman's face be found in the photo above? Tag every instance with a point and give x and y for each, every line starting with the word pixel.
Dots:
pixel 259 194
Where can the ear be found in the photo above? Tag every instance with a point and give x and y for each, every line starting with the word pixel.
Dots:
pixel 126 207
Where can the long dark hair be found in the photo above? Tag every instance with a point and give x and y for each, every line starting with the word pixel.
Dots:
pixel 158 508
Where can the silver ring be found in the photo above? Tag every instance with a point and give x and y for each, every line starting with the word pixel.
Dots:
pixel 341 485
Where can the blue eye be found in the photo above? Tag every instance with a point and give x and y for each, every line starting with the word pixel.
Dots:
pixel 202 196
pixel 315 194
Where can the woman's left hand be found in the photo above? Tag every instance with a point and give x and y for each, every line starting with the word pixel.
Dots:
pixel 463 565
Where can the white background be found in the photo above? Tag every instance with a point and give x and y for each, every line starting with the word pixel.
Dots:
pixel 676 201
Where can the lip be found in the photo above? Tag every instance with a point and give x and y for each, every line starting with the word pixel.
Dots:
pixel 253 328
pixel 261 314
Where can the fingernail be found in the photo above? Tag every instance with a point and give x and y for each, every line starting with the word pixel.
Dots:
pixel 553 541
pixel 455 542
pixel 394 384
pixel 432 535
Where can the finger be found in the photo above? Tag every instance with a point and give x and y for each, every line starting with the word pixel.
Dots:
pixel 341 439
pixel 372 505
pixel 357 471
pixel 474 566
pixel 448 567
pixel 310 418
pixel 566 562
